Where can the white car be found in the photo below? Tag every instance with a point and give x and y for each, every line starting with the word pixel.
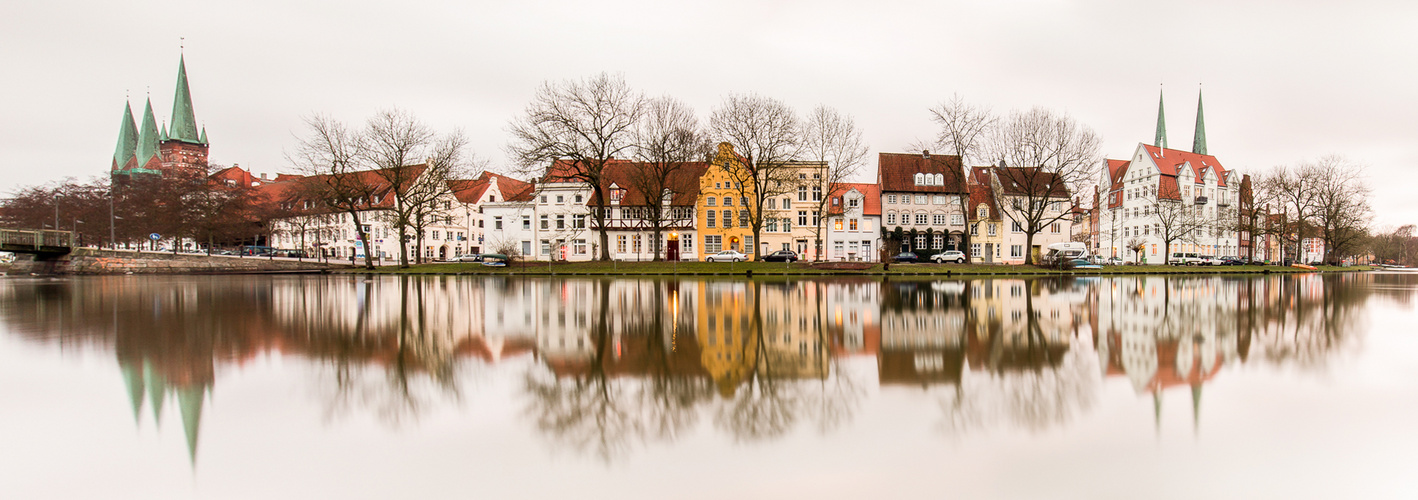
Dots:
pixel 726 256
pixel 955 256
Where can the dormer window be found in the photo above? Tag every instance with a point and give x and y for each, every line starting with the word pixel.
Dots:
pixel 920 179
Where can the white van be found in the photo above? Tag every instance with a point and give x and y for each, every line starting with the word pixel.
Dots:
pixel 1184 259
pixel 1060 252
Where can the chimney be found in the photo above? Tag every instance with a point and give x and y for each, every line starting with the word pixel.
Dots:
pixel 263 176
pixel 926 153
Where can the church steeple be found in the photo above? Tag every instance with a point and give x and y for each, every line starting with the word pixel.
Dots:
pixel 1161 140
pixel 127 139
pixel 147 147
pixel 184 121
pixel 1199 140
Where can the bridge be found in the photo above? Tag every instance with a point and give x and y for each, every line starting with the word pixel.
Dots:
pixel 42 243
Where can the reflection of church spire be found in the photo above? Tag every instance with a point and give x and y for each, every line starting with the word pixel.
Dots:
pixel 133 378
pixel 1157 411
pixel 1196 407
pixel 189 400
pixel 156 391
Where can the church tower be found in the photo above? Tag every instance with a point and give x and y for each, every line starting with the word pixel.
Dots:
pixel 147 149
pixel 184 148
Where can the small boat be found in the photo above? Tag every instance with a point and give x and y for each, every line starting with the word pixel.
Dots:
pixel 1303 266
pixel 495 260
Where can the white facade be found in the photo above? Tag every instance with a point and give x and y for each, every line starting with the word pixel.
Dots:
pixel 1214 196
pixel 553 225
pixel 854 235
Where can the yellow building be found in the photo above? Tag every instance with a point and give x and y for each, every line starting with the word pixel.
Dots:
pixel 723 210
pixel 728 346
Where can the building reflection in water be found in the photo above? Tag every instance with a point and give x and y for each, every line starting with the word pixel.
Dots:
pixel 612 365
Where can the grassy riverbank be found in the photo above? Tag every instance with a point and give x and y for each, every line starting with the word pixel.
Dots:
pixel 805 269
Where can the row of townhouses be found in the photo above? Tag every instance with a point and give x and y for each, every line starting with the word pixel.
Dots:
pixel 921 203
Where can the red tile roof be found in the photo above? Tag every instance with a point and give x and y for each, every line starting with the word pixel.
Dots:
pixel 683 180
pixel 1022 181
pixel 895 172
pixel 871 203
pixel 472 191
pixel 1169 160
pixel 982 192
pixel 293 190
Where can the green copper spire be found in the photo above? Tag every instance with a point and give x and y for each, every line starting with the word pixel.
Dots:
pixel 1161 140
pixel 157 390
pixel 147 137
pixel 1199 141
pixel 204 135
pixel 184 122
pixel 164 136
pixel 127 138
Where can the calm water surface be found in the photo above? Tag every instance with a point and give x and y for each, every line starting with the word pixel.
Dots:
pixel 455 387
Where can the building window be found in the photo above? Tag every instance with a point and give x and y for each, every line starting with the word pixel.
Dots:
pixel 802 217
pixel 938 219
pixel 748 244
pixel 526 247
pixel 975 229
pixel 544 222
pixel 728 218
pixel 838 249
pixel 920 241
pixel 852 224
pixel 817 193
pixel 802 193
pixel 1016 250
pixel 938 199
pixel 837 224
pixel 527 225
pixel 637 243
pixel 546 247
pixel 713 243
pixel 743 218
pixel 891 198
pixel 787 203
pixel 957 220
pixel 580 246
pixel 920 219
pixel 709 218
pixel 770 225
pixel 580 222
pixel 852 202
pixel 975 250
pixel 920 199
pixel 891 218
pixel 728 202
pixel 709 202
pixel 1018 228
pixel 1054 228
pixel 560 221
pixel 620 243
pixel 938 241
pixel 560 199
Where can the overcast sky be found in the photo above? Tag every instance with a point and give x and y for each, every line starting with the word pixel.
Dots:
pixel 1285 82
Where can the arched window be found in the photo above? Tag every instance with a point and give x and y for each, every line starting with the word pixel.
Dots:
pixel 939 179
pixel 920 179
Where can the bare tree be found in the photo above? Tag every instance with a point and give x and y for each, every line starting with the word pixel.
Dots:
pixel 1342 210
pixel 1176 220
pixel 1044 158
pixel 1293 191
pixel 963 129
pixel 330 157
pixel 667 137
pixel 834 140
pixel 766 131
pixel 396 144
pixel 583 123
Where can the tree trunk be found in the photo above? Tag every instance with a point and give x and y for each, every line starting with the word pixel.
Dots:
pixel 1028 248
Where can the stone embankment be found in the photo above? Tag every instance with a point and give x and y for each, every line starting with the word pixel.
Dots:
pixel 92 261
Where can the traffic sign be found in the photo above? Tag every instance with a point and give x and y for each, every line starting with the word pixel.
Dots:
pixel 155 236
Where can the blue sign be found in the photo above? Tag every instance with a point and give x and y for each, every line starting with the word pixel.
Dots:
pixel 155 236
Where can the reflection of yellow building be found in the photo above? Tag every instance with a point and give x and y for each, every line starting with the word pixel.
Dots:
pixel 725 204
pixel 794 330
pixel 728 350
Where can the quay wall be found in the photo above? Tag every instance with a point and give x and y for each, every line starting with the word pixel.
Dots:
pixel 93 261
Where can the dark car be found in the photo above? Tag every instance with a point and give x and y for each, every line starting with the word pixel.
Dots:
pixel 1232 261
pixel 782 256
pixel 906 257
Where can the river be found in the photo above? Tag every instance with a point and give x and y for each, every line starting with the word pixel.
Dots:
pixel 1295 386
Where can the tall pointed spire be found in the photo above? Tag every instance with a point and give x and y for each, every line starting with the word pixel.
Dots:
pixel 127 139
pixel 1161 140
pixel 184 121
pixel 189 400
pixel 147 137
pixel 133 378
pixel 204 135
pixel 1196 407
pixel 1199 140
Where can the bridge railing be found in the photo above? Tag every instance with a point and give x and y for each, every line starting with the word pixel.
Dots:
pixel 36 239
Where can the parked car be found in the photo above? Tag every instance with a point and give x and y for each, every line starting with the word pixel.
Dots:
pixel 1082 264
pixel 1209 260
pixel 1232 261
pixel 782 256
pixel 726 256
pixel 906 257
pixel 955 256
pixel 469 257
